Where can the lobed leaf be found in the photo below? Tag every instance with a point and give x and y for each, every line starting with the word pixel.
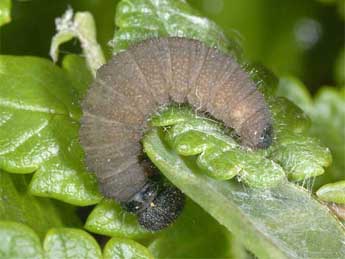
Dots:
pixel 328 116
pixel 39 122
pixel 218 155
pixel 301 155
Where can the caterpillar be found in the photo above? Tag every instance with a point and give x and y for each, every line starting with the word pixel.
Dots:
pixel 132 86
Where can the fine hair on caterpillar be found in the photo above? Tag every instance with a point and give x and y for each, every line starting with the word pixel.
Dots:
pixel 133 85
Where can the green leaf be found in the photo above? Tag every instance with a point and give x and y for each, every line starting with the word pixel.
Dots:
pixel 328 120
pixel 120 248
pixel 39 122
pixel 18 241
pixel 328 124
pixel 38 213
pixel 70 243
pixel 5 8
pixel 80 74
pixel 196 235
pixel 332 192
pixel 141 19
pixel 81 26
pixel 272 223
pixel 109 219
pixel 300 155
pixel 219 156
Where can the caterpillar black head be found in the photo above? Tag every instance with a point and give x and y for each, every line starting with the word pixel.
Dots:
pixel 156 205
pixel 132 86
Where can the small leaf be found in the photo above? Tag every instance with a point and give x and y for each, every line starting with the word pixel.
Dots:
pixel 70 243
pixel 109 219
pixel 281 222
pixel 38 213
pixel 141 19
pixel 328 124
pixel 300 155
pixel 302 158
pixel 328 116
pixel 125 249
pixel 39 123
pixel 222 158
pixel 332 192
pixel 81 26
pixel 18 241
pixel 5 8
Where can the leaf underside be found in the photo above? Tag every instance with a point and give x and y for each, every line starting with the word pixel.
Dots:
pixel 272 223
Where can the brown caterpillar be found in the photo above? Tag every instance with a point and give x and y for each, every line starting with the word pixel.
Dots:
pixel 132 86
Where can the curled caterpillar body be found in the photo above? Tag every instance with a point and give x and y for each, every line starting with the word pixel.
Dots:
pixel 132 86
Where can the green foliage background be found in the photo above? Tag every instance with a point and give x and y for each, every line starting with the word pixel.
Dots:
pixel 270 33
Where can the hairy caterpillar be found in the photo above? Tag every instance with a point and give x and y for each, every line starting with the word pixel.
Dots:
pixel 132 86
